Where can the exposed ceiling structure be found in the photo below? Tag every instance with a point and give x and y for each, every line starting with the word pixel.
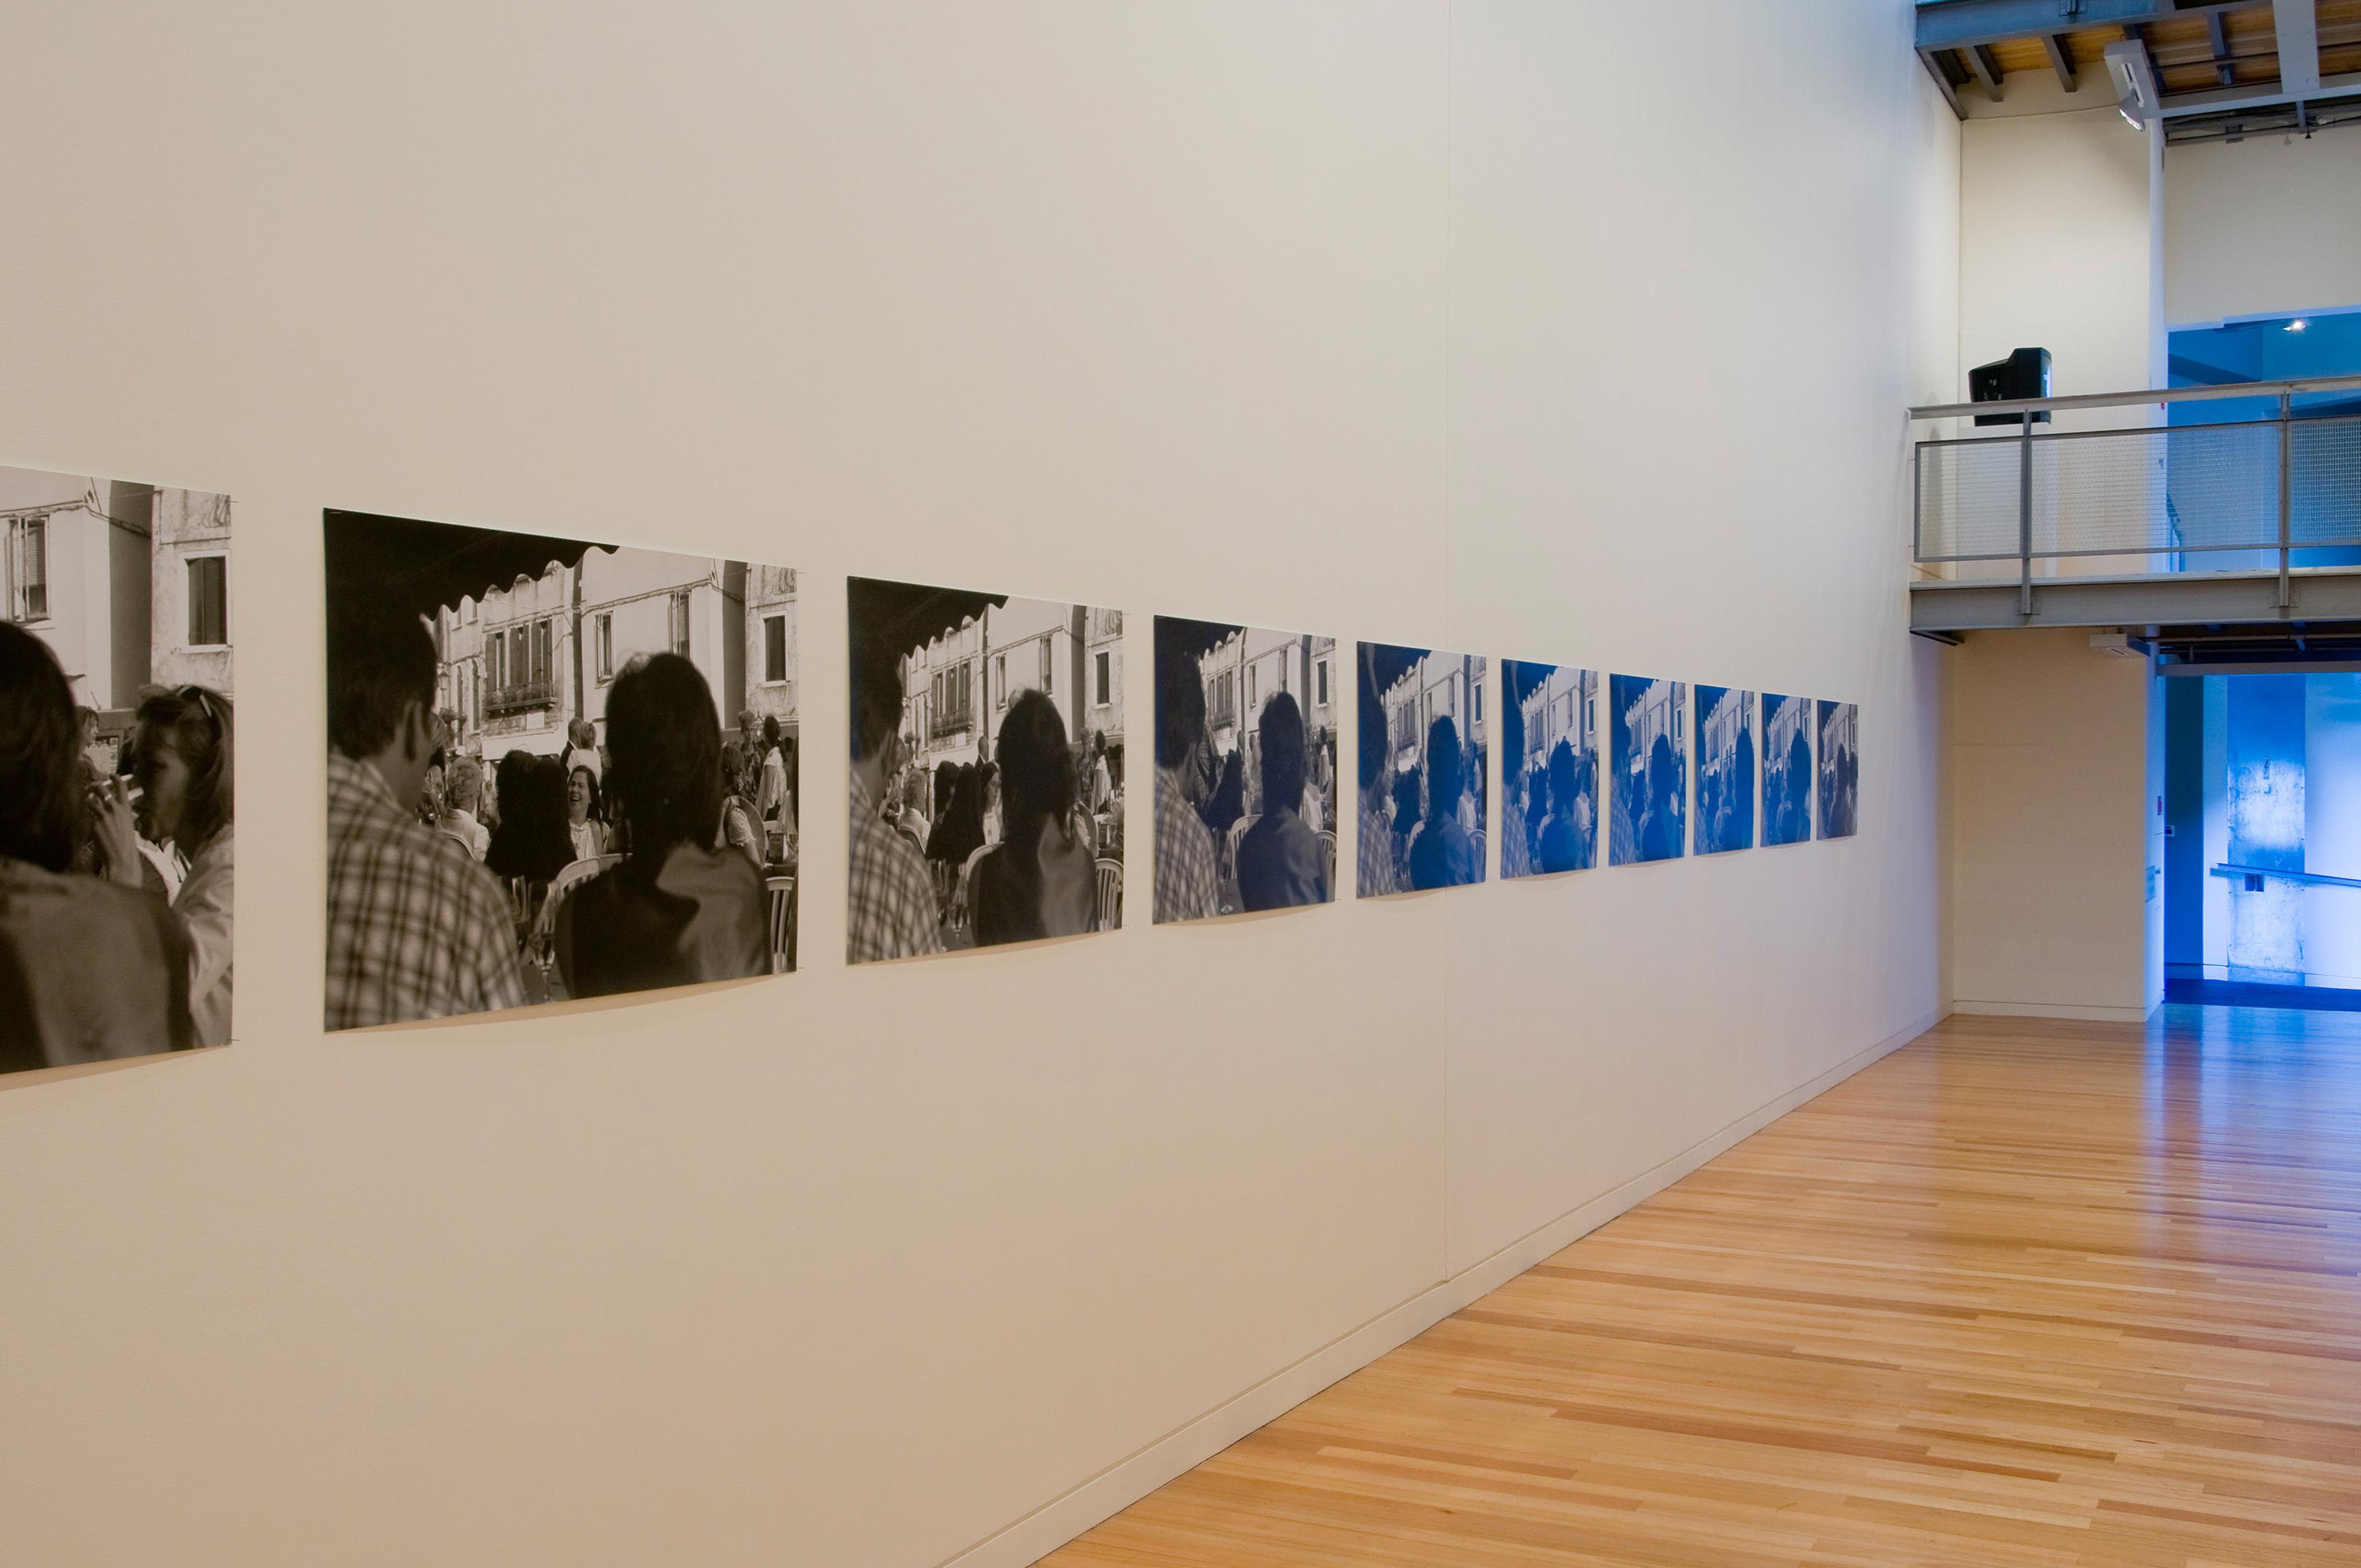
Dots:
pixel 2219 70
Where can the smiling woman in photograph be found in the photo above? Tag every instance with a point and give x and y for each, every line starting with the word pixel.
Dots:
pixel 180 766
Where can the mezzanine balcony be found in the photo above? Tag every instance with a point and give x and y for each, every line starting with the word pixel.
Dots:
pixel 2124 510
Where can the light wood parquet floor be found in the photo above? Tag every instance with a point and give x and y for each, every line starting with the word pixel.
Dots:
pixel 2025 1292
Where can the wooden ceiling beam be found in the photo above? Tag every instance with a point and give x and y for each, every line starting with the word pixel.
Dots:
pixel 2061 59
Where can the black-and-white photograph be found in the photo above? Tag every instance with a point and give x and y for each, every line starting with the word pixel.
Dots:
pixel 1840 770
pixel 988 763
pixel 1245 768
pixel 557 770
pixel 1725 788
pixel 1549 769
pixel 1786 769
pixel 116 770
pixel 1651 756
pixel 1422 769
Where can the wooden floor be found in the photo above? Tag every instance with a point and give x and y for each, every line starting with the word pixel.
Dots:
pixel 2025 1292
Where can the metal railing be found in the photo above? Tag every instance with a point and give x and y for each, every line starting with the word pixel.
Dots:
pixel 2271 485
pixel 520 696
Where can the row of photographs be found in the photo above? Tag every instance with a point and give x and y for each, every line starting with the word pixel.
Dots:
pixel 559 769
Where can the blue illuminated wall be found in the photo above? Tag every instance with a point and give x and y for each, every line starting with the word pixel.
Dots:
pixel 2266 773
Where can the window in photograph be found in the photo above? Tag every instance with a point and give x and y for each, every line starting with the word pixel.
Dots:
pixel 1252 682
pixel 774 648
pixel 542 638
pixel 519 654
pixel 1476 708
pixel 1000 677
pixel 209 601
pixel 1105 668
pixel 28 568
pixel 1319 675
pixel 606 641
pixel 680 622
pixel 1046 688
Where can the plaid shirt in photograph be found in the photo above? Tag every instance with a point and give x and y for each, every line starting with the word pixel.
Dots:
pixel 416 930
pixel 1376 852
pixel 891 911
pixel 1188 882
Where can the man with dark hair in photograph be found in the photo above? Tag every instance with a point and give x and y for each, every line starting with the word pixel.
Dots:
pixel 88 969
pixel 1443 854
pixel 1374 848
pixel 890 911
pixel 416 930
pixel 677 911
pixel 1280 860
pixel 1187 878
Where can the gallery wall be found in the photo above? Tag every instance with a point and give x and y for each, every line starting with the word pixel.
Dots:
pixel 2305 194
pixel 1390 321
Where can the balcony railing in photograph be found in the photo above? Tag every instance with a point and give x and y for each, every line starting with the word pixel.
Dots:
pixel 2245 499
pixel 957 721
pixel 524 697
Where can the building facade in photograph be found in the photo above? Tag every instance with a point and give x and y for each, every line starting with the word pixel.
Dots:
pixel 1438 685
pixel 773 685
pixel 522 661
pixel 957 688
pixel 1561 709
pixel 1243 671
pixel 128 584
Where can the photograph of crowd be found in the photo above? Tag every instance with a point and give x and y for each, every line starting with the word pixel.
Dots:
pixel 116 770
pixel 1549 769
pixel 555 770
pixel 1840 770
pixel 1725 789
pixel 1245 768
pixel 1422 770
pixel 1651 758
pixel 987 793
pixel 1786 769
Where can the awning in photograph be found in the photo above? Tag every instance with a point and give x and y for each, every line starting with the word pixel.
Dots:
pixel 1524 679
pixel 907 616
pixel 1191 638
pixel 1388 663
pixel 434 565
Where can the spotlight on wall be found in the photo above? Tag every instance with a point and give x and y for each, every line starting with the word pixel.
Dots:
pixel 2298 324
pixel 2136 91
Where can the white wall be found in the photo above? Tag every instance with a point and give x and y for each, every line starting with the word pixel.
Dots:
pixel 2050 828
pixel 1373 317
pixel 2060 247
pixel 2262 226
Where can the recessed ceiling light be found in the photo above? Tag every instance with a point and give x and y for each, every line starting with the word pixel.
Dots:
pixel 2298 324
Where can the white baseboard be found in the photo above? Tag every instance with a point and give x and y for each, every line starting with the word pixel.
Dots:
pixel 2051 1009
pixel 1125 1482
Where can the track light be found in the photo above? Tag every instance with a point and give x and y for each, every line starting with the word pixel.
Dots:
pixel 2136 97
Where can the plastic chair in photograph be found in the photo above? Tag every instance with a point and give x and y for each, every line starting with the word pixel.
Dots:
pixel 782 923
pixel 1328 842
pixel 572 875
pixel 1476 839
pixel 1110 909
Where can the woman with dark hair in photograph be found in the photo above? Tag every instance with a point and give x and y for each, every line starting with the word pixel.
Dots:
pixel 1441 853
pixel 180 752
pixel 987 780
pixel 1280 862
pixel 1228 802
pixel 532 842
pixel 738 816
pixel 959 831
pixel 1042 881
pixel 88 969
pixel 677 910
pixel 586 814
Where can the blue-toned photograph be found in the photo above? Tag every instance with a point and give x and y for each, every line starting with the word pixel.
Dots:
pixel 1549 769
pixel 1651 758
pixel 1422 770
pixel 1725 802
pixel 1245 767
pixel 1786 769
pixel 1840 770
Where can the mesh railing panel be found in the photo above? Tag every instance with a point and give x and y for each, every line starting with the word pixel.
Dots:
pixel 2159 490
pixel 2325 482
